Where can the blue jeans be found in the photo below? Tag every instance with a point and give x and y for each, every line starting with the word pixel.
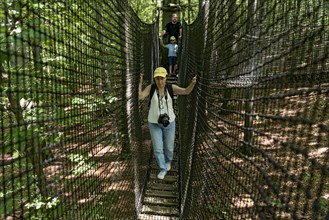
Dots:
pixel 163 140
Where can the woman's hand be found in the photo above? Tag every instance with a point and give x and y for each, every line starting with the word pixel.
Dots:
pixel 184 91
pixel 141 78
pixel 194 80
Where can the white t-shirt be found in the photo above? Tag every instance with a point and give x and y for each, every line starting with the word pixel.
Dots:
pixel 154 111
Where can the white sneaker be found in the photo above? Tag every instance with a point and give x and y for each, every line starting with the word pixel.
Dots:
pixel 168 166
pixel 162 174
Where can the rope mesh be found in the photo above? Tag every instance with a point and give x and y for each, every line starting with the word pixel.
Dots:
pixel 68 109
pixel 258 118
pixel 253 136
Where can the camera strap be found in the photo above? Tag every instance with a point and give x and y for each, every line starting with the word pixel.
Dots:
pixel 166 97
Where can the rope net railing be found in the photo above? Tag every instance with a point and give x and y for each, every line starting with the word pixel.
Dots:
pixel 71 143
pixel 254 136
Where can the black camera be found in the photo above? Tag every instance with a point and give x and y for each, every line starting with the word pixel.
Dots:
pixel 164 119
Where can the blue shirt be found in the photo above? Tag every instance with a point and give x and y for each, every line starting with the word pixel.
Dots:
pixel 172 50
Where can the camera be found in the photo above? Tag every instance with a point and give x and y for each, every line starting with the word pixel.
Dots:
pixel 164 119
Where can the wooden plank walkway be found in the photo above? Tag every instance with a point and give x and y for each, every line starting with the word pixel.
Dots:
pixel 161 199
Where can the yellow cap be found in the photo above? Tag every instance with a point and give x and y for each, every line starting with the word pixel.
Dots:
pixel 160 71
pixel 172 38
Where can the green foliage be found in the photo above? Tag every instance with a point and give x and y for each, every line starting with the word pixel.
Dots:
pixel 39 207
pixel 53 87
pixel 82 166
pixel 217 208
pixel 9 190
pixel 146 9
pixel 191 10
pixel 19 136
pixel 323 204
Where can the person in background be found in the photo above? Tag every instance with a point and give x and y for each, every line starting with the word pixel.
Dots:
pixel 173 28
pixel 161 116
pixel 172 54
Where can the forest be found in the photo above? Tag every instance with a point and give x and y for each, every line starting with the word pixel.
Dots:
pixel 252 138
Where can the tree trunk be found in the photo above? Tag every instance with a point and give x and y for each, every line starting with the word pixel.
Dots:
pixel 249 93
pixel 32 146
pixel 228 54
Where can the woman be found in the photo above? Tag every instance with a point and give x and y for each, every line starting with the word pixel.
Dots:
pixel 161 116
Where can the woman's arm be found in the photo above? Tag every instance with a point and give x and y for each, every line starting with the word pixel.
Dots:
pixel 184 91
pixel 143 93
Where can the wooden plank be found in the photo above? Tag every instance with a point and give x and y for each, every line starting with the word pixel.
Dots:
pixel 174 161
pixel 150 200
pixel 160 210
pixel 174 166
pixel 162 186
pixel 163 194
pixel 156 217
pixel 168 178
pixel 173 169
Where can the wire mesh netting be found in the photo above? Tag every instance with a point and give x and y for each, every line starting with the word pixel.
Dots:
pixel 259 124
pixel 253 136
pixel 68 111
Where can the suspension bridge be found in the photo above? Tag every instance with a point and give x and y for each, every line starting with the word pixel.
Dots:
pixel 252 137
